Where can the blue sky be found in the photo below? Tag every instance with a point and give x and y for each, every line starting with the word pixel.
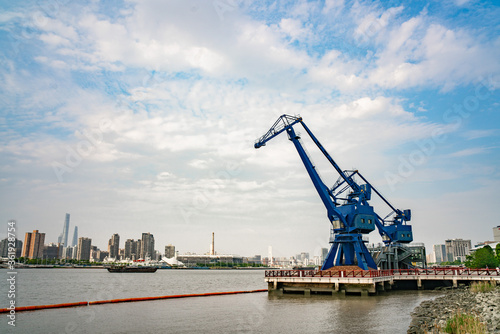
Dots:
pixel 140 116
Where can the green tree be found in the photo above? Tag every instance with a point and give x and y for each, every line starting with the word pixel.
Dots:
pixel 497 250
pixel 482 258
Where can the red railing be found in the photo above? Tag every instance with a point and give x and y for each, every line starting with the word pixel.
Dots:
pixel 383 273
pixel 319 273
pixel 446 272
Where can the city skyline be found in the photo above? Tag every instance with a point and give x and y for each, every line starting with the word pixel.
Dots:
pixel 141 116
pixel 135 249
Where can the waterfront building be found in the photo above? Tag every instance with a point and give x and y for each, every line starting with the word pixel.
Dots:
pixel 169 251
pixel 83 252
pixel 74 243
pixel 69 252
pixel 147 246
pixel 256 259
pixel 324 254
pixel 193 260
pixel 101 255
pixel 439 253
pixel 496 233
pixel 113 246
pixel 93 253
pixel 128 248
pixel 33 245
pixel 457 249
pixel 132 250
pixel 137 250
pixel 52 251
pixel 4 248
pixel 63 238
pixel 303 257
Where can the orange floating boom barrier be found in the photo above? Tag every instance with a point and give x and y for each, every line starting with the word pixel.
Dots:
pixel 124 300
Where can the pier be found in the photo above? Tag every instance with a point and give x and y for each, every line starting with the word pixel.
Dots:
pixel 367 282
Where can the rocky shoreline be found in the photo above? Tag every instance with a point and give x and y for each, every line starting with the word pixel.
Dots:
pixel 431 315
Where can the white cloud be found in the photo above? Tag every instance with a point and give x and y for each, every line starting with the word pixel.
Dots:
pixel 294 29
pixel 333 5
pixel 469 152
pixel 371 23
pixel 59 28
pixel 475 134
pixel 418 53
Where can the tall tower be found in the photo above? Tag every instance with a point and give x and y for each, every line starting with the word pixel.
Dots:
pixel 75 237
pixel 113 246
pixel 147 246
pixel 212 245
pixel 64 236
pixel 128 248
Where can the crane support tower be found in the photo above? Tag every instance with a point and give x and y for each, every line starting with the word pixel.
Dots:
pixel 346 204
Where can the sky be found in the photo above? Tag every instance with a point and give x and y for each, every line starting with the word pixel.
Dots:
pixel 140 116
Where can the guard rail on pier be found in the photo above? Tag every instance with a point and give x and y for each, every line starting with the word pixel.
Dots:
pixel 382 273
pixel 371 281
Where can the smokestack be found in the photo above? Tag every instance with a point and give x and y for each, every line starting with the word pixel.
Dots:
pixel 212 245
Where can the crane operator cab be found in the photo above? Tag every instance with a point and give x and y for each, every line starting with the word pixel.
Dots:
pixel 359 218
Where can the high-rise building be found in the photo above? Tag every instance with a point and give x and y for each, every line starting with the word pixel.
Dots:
pixel 4 248
pixel 113 246
pixel 138 248
pixel 496 233
pixel 69 252
pixel 457 249
pixel 33 245
pixel 128 248
pixel 84 245
pixel 303 257
pixel 324 254
pixel 147 246
pixel 169 251
pixel 439 253
pixel 132 250
pixel 75 237
pixel 52 251
pixel 101 255
pixel 63 238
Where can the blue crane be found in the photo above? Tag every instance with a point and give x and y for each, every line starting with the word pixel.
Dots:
pixel 346 204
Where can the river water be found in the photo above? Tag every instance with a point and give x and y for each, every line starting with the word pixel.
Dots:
pixel 246 313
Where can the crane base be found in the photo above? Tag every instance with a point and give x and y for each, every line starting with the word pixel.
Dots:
pixel 349 249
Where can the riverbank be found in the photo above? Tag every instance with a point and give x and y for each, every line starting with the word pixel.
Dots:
pixel 105 266
pixel 431 315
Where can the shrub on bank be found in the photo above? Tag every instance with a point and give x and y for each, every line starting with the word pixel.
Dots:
pixel 462 323
pixel 482 287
